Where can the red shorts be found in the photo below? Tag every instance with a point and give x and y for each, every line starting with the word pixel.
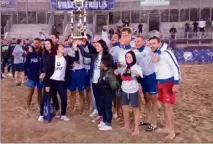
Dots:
pixel 165 93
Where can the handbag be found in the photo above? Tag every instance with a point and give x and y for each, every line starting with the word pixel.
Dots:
pixel 49 109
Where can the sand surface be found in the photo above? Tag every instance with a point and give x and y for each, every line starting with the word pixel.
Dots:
pixel 193 116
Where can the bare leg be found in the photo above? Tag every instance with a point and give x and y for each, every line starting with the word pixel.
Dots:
pixel 166 128
pixel 22 77
pixel 16 77
pixel 39 91
pixel 115 108
pixel 72 101
pixel 126 117
pixel 154 101
pixel 137 121
pixel 29 98
pixel 118 107
pixel 148 107
pixel 82 102
pixel 89 99
pixel 170 114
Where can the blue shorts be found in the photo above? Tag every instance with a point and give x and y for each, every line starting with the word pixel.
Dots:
pixel 87 81
pixel 149 84
pixel 19 67
pixel 32 84
pixel 77 80
pixel 130 98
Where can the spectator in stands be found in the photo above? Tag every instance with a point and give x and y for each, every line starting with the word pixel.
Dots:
pixel 126 23
pixel 110 18
pixel 119 24
pixel 172 31
pixel 187 28
pixel 202 25
pixel 140 28
pixel 209 25
pixel 195 26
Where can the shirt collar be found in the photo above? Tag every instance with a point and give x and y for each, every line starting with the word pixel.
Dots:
pixel 116 44
pixel 158 51
pixel 126 47
pixel 141 48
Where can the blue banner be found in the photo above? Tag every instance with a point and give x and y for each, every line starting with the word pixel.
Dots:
pixel 194 55
pixel 8 3
pixel 89 5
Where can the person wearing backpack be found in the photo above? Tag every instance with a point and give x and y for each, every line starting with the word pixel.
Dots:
pixel 108 84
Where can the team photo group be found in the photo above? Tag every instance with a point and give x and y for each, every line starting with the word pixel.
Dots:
pixel 111 74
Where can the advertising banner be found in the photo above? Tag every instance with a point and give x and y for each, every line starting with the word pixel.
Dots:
pixel 89 5
pixel 8 3
pixel 154 2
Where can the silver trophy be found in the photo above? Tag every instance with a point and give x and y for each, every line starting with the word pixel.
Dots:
pixel 80 31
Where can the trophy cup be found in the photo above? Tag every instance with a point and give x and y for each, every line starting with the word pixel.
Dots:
pixel 79 32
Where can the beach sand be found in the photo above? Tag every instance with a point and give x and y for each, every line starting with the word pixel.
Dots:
pixel 193 116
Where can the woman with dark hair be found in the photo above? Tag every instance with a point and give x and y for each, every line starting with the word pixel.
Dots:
pixel 130 88
pixel 48 52
pixel 56 77
pixel 95 70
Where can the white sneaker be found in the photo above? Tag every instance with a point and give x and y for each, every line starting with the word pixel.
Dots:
pixel 9 74
pixel 101 124
pixel 94 113
pixel 3 75
pixel 41 119
pixel 65 118
pixel 105 128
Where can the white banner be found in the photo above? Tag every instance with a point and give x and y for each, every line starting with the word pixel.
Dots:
pixel 154 2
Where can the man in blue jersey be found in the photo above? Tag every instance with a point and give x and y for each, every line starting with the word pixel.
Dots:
pixel 149 82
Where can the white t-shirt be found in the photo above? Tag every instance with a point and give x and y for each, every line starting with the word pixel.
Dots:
pixel 97 69
pixel 60 69
pixel 133 85
pixel 201 24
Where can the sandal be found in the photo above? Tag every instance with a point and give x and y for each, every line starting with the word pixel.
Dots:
pixel 150 128
pixel 144 124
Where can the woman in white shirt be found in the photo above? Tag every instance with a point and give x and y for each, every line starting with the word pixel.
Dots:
pixel 56 77
pixel 130 87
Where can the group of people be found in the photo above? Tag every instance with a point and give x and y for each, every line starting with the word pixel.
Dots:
pixel 105 72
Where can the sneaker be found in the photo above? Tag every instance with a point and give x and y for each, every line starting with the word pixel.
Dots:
pixel 94 113
pixel 99 118
pixel 101 124
pixel 41 119
pixel 65 118
pixel 105 128
pixel 3 75
pixel 9 74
